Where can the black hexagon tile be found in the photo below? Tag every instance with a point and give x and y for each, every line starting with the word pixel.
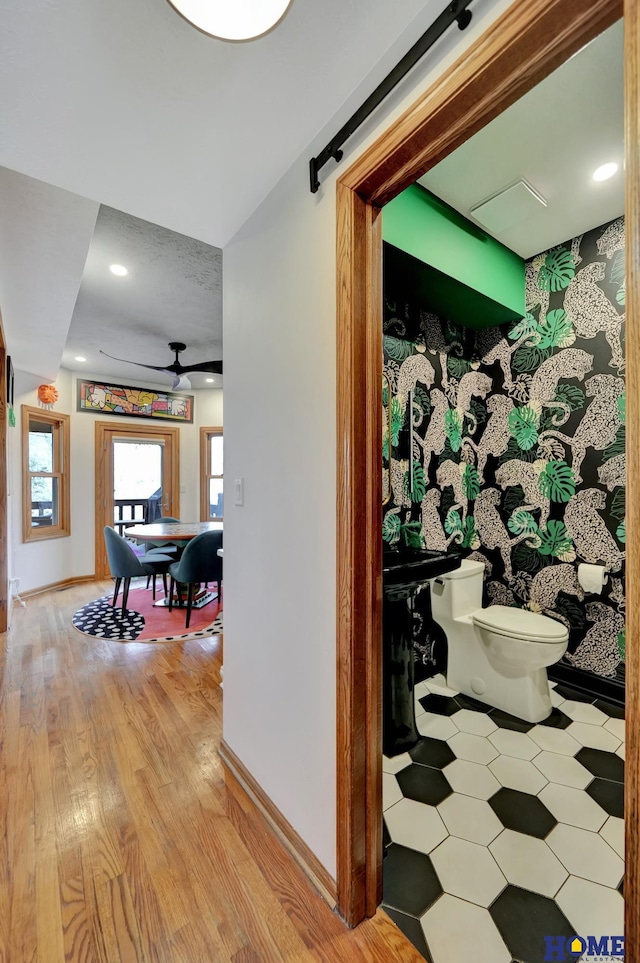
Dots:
pixel 524 919
pixel 411 928
pixel 604 764
pixel 557 720
pixel 423 784
pixel 609 795
pixel 573 695
pixel 522 812
pixel 506 721
pixel 410 883
pixel 442 705
pixel 610 708
pixel 467 702
pixel 432 752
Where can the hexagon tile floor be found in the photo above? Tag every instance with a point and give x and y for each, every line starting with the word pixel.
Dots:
pixel 499 832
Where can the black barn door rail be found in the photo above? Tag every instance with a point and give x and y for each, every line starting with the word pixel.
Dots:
pixel 456 11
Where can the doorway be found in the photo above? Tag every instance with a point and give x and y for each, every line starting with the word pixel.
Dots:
pixel 516 52
pixel 481 807
pixel 137 479
pixel 5 610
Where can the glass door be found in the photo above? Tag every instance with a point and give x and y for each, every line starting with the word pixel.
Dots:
pixel 137 479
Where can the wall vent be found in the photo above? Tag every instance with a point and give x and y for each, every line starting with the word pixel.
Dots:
pixel 511 206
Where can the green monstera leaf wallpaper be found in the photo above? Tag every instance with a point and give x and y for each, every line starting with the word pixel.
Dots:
pixel 517 442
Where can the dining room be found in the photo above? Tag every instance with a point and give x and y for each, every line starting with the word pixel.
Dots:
pixel 167 584
pixel 41 564
pixel 106 407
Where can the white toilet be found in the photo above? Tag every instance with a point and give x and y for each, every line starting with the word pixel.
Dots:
pixel 497 655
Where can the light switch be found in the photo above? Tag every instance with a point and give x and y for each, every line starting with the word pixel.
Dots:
pixel 238 486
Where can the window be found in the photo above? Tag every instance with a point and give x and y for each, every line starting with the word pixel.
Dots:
pixel 45 474
pixel 211 494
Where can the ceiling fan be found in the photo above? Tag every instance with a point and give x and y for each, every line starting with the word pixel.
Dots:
pixel 176 370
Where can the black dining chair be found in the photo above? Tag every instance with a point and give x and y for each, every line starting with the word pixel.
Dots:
pixel 200 562
pixel 125 565
pixel 162 546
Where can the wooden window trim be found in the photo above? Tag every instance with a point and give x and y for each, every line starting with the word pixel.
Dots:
pixel 205 474
pixel 62 452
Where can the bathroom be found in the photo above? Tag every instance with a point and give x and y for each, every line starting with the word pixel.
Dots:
pixel 511 449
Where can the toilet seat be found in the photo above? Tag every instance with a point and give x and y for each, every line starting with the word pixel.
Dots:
pixel 521 624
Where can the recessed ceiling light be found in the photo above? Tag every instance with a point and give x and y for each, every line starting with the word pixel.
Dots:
pixel 118 269
pixel 604 172
pixel 210 380
pixel 232 19
pixel 80 358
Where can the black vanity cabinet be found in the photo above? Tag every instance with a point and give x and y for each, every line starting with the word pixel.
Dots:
pixel 404 571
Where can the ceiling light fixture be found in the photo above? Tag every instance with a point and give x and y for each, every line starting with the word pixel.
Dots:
pixel 604 172
pixel 232 19
pixel 118 269
pixel 209 380
pixel 80 358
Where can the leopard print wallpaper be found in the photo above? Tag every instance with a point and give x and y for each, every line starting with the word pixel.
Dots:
pixel 517 438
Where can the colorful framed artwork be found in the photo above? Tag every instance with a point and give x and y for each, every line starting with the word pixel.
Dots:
pixel 113 399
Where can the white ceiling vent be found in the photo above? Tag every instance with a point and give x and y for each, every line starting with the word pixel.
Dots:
pixel 509 207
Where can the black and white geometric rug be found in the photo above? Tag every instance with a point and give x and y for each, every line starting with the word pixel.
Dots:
pixel 101 619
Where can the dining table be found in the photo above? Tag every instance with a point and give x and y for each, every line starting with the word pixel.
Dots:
pixel 171 531
pixel 179 533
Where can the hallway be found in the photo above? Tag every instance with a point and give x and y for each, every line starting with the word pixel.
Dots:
pixel 120 839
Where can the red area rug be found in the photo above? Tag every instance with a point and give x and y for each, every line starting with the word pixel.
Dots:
pixel 144 622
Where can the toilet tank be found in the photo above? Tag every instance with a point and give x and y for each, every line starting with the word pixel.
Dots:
pixel 459 592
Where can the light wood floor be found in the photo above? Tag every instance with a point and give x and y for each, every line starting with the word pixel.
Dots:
pixel 120 840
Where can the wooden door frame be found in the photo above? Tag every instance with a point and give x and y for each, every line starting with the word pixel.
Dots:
pixel 103 430
pixel 517 51
pixel 5 615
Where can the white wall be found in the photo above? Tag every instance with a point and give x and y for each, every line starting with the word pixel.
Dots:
pixel 208 408
pixel 279 351
pixel 45 562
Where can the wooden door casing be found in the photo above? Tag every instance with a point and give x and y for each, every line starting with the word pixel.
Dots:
pixel 4 555
pixel 517 51
pixel 105 433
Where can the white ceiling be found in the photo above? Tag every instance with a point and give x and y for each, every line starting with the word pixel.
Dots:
pixel 173 292
pixel 126 105
pixel 554 137
pixel 44 237
pixel 109 107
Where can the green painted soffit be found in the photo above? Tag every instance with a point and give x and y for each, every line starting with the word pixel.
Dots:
pixel 440 293
pixel 469 277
